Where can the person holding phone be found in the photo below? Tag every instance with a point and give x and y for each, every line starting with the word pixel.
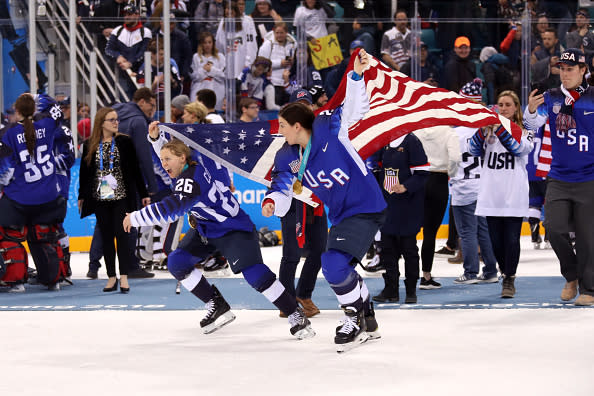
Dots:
pixel 570 184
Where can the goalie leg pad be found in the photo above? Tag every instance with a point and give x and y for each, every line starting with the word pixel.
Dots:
pixel 13 256
pixel 47 253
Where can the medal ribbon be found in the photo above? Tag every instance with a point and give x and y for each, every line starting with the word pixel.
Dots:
pixel 304 159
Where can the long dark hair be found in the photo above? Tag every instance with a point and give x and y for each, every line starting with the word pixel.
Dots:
pixel 97 133
pixel 25 105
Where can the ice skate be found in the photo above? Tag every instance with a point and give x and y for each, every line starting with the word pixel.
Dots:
pixel 300 325
pixel 218 313
pixel 353 332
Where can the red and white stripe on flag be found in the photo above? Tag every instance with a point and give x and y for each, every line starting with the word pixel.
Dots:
pixel 400 105
pixel 545 156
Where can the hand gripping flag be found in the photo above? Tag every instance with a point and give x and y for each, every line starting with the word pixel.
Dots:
pixel 398 106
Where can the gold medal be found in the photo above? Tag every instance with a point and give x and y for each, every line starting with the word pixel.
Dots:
pixel 297 187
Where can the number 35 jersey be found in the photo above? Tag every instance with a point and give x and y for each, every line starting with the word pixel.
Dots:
pixel 33 180
pixel 207 199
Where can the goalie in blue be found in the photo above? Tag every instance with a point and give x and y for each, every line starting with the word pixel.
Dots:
pixel 217 222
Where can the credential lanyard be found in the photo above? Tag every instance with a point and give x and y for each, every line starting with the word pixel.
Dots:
pixel 111 155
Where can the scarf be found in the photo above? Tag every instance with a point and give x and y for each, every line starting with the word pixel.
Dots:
pixel 565 120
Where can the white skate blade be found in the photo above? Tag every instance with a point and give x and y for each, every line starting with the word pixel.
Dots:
pixel 221 321
pixel 307 332
pixel 361 338
pixel 374 335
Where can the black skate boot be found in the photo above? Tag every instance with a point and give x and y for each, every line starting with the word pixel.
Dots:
pixel 218 313
pixel 300 325
pixel 371 323
pixel 353 332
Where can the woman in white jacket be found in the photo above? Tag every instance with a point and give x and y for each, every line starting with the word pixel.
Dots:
pixel 443 153
pixel 208 69
pixel 503 191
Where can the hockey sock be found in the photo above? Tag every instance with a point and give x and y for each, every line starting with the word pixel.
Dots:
pixel 364 295
pixel 261 278
pixel 198 285
pixel 342 277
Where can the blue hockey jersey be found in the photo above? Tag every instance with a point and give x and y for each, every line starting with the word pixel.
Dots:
pixel 572 155
pixel 34 178
pixel 335 172
pixel 209 200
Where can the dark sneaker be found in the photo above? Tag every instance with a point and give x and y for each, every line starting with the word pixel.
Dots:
pixel 300 325
pixel 482 278
pixel 371 323
pixel 387 296
pixel 508 289
pixel 218 313
pixel 92 274
pixel 139 274
pixel 353 332
pixel 465 280
pixel 429 284
pixel 445 252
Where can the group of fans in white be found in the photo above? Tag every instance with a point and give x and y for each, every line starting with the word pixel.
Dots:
pixel 37 152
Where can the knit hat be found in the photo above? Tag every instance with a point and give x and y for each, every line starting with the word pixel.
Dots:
pixel 472 90
pixel 264 1
pixel 180 101
pixel 486 53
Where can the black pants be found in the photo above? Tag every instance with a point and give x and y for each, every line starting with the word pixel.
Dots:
pixel 316 237
pixel 505 239
pixel 570 207
pixel 394 246
pixel 436 200
pixel 110 216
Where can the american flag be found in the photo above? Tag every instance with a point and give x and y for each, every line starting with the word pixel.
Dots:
pixel 246 148
pixel 398 106
pixel 545 156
